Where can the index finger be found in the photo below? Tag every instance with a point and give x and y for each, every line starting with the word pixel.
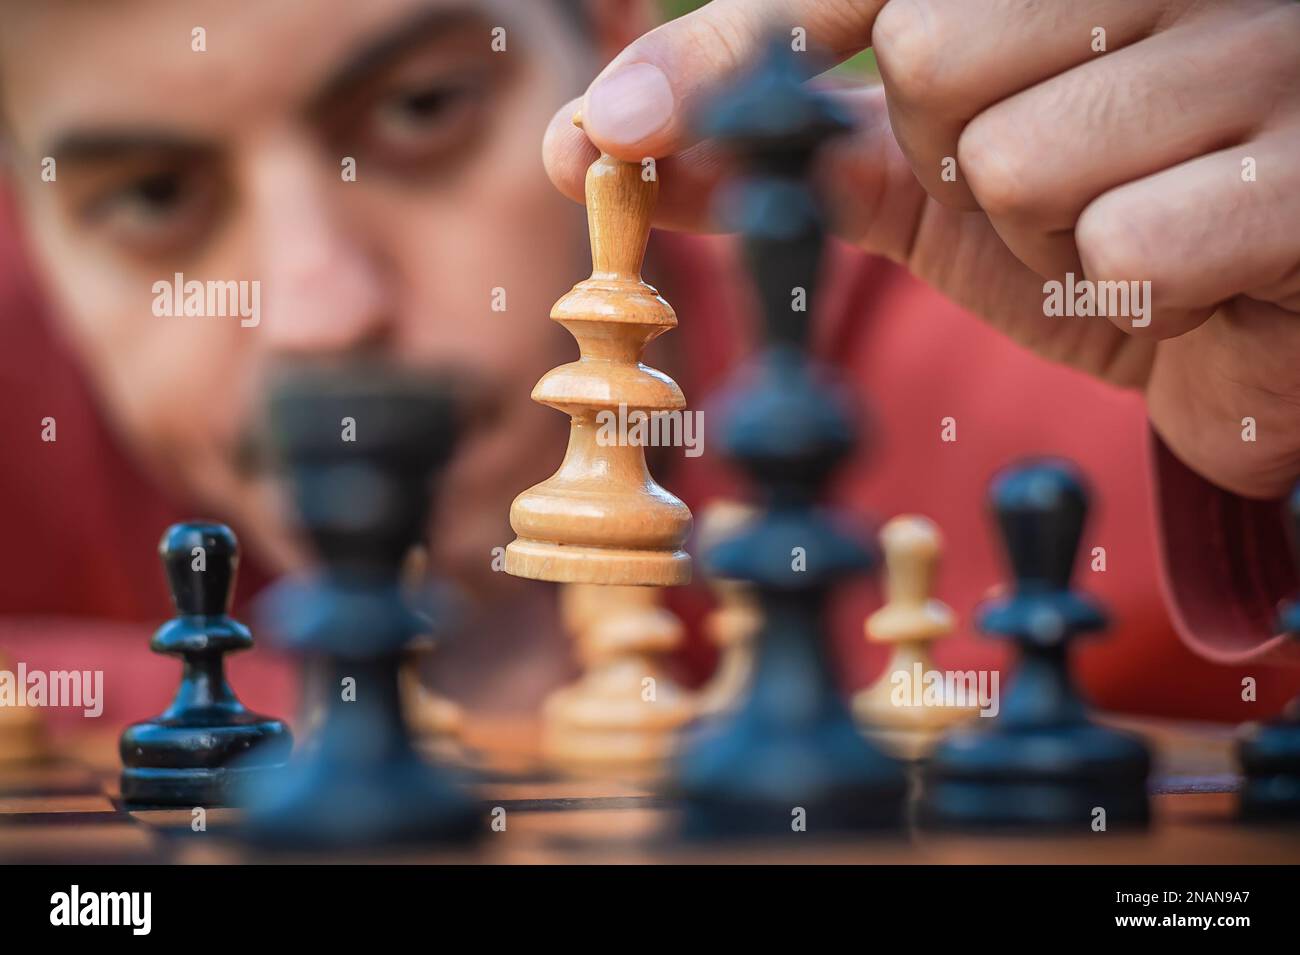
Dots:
pixel 640 104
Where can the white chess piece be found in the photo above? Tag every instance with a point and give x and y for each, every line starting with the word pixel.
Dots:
pixel 623 716
pixel 735 619
pixel 894 711
pixel 22 731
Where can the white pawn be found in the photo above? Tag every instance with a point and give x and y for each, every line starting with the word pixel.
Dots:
pixel 894 711
pixel 624 715
pixel 735 619
pixel 429 714
pixel 22 731
pixel 434 719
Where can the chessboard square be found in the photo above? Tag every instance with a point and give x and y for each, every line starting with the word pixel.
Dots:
pixel 592 826
pixel 17 805
pixel 563 789
pixel 77 844
pixel 47 779
pixel 184 818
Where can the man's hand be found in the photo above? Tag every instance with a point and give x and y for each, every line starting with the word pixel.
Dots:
pixel 1015 142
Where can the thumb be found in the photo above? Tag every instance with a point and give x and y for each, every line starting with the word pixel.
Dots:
pixel 640 105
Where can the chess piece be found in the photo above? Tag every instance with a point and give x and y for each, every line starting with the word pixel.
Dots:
pixel 734 620
pixel 363 503
pixel 788 758
pixel 907 724
pixel 22 731
pixel 203 748
pixel 1040 763
pixel 601 518
pixel 430 715
pixel 624 714
pixel 1270 752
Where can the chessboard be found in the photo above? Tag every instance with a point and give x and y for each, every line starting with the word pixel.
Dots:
pixel 69 811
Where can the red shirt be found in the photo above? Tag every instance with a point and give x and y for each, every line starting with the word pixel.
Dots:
pixel 81 587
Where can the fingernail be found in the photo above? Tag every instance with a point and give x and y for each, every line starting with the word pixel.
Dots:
pixel 628 105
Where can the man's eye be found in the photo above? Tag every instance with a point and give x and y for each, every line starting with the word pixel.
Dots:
pixel 153 197
pixel 155 212
pixel 422 106
pixel 417 127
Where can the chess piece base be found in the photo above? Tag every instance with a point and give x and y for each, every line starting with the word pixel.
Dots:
pixel 146 786
pixel 199 762
pixel 912 745
pixel 908 732
pixel 1036 777
pixel 315 805
pixel 601 724
pixel 627 755
pixel 638 753
pixel 837 812
pixel 431 715
pixel 22 737
pixel 565 563
pixel 739 779
pixel 1270 760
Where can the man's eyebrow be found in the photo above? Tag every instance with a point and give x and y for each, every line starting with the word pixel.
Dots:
pixel 91 145
pixel 391 44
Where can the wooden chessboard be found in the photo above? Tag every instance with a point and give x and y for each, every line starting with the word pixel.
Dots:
pixel 68 811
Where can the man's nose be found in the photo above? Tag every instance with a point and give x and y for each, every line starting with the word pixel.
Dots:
pixel 323 289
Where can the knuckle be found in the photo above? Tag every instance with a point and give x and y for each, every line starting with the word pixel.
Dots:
pixel 998 174
pixel 716 39
pixel 1274 37
pixel 1113 244
pixel 910 52
pixel 845 23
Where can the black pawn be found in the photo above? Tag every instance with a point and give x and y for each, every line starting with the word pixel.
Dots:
pixel 199 751
pixel 1270 753
pixel 789 759
pixel 1041 763
pixel 363 500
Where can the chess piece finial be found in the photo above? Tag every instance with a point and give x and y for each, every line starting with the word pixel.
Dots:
pixel 623 716
pixel 911 546
pixel 895 711
pixel 601 518
pixel 202 748
pixel 1269 753
pixel 735 619
pixel 1040 763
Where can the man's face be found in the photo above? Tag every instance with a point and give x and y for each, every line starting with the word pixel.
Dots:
pixel 231 163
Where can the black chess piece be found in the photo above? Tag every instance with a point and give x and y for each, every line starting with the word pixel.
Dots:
pixel 1041 763
pixel 788 758
pixel 361 446
pixel 199 752
pixel 1269 753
